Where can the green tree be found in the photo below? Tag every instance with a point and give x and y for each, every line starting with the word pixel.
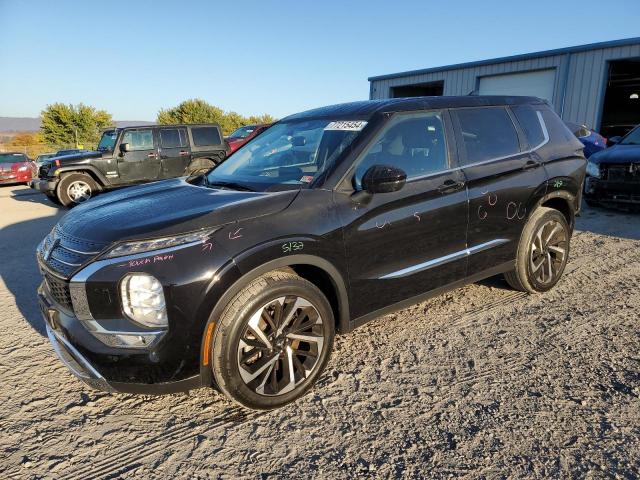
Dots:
pixel 198 111
pixel 67 124
pixel 191 111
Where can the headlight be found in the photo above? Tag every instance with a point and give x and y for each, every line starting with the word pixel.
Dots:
pixel 130 248
pixel 143 300
pixel 593 169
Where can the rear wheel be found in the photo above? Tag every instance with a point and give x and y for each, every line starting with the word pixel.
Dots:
pixel 200 166
pixel 543 252
pixel 272 341
pixel 76 188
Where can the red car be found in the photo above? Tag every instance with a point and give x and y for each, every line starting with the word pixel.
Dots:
pixel 15 167
pixel 243 134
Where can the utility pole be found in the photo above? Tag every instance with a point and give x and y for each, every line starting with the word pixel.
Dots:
pixel 75 130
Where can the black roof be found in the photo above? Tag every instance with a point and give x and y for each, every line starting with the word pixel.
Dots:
pixel 366 109
pixel 158 125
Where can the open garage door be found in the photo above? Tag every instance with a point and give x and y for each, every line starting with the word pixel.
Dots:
pixel 621 108
pixel 537 84
pixel 431 89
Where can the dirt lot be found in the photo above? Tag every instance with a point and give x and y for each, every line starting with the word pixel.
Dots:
pixel 481 382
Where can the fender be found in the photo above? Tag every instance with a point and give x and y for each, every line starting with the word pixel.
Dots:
pixel 102 180
pixel 572 201
pixel 209 331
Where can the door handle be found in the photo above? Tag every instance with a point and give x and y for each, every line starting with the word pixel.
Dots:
pixel 152 155
pixel 183 153
pixel 531 164
pixel 450 186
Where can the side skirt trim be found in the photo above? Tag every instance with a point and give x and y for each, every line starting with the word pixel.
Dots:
pixel 436 262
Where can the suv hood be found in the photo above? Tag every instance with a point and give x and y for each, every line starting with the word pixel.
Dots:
pixel 166 208
pixel 75 158
pixel 617 154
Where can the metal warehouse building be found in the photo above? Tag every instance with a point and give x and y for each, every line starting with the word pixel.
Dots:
pixel 597 84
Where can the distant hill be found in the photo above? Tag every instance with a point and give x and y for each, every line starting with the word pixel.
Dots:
pixel 30 124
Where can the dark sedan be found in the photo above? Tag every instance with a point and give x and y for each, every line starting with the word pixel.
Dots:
pixel 613 175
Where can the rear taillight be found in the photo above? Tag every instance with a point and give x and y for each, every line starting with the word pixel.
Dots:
pixel 57 162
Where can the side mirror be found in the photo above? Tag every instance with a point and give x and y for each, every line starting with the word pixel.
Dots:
pixel 614 140
pixel 124 148
pixel 298 141
pixel 383 179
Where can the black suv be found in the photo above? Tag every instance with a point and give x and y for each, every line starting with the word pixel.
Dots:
pixel 239 278
pixel 129 156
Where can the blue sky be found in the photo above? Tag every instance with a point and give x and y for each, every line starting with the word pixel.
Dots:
pixel 132 58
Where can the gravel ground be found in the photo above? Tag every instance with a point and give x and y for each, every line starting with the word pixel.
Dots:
pixel 482 382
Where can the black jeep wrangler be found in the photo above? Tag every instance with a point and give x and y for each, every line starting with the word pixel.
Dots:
pixel 129 156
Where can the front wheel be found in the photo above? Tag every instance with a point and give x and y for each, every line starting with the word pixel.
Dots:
pixel 272 341
pixel 76 188
pixel 543 252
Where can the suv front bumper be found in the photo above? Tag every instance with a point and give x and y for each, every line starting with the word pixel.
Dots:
pixel 44 185
pixel 60 330
pixel 614 192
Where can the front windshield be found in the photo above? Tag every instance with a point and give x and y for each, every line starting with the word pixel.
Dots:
pixel 242 132
pixel 12 157
pixel 108 141
pixel 287 154
pixel 632 138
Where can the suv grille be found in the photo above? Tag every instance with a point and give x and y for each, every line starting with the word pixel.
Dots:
pixel 44 171
pixel 623 173
pixel 63 254
pixel 59 290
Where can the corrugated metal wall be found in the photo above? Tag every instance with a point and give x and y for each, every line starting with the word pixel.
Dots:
pixel 580 79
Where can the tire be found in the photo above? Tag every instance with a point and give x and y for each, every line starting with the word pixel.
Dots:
pixel 543 252
pixel 53 198
pixel 245 368
pixel 76 188
pixel 201 165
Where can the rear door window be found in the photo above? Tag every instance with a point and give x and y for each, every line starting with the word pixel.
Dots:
pixel 487 133
pixel 205 136
pixel 173 137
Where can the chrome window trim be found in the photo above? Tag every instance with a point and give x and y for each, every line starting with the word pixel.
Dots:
pixel 545 133
pixel 436 262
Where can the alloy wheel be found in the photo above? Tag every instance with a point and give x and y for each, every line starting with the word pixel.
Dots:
pixel 281 345
pixel 548 252
pixel 79 191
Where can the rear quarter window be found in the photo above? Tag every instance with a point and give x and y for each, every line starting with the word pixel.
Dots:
pixel 530 123
pixel 205 136
pixel 562 142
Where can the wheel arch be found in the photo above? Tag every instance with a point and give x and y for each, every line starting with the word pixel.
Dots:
pixel 93 172
pixel 319 271
pixel 563 201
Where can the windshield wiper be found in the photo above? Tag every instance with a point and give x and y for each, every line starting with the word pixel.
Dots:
pixel 229 185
